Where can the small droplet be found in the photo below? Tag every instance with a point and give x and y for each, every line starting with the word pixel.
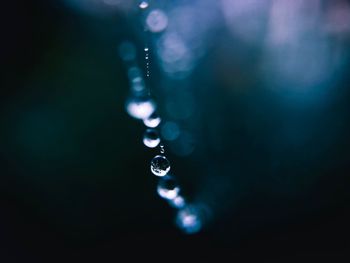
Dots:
pixel 188 220
pixel 140 107
pixel 160 165
pixel 168 188
pixel 151 138
pixel 161 146
pixel 143 5
pixel 152 121
pixel 146 49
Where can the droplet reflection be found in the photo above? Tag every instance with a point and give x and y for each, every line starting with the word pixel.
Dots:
pixel 143 5
pixel 168 188
pixel 153 121
pixel 160 165
pixel 151 138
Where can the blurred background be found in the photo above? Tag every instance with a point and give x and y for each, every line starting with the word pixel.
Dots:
pixel 254 100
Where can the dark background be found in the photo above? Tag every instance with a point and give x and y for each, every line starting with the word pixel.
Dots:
pixel 75 183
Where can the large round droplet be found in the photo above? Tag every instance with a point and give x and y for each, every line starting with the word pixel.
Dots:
pixel 189 220
pixel 160 165
pixel 140 107
pixel 152 121
pixel 151 138
pixel 168 188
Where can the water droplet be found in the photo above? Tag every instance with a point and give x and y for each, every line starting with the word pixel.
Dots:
pixel 157 21
pixel 153 121
pixel 188 220
pixel 140 107
pixel 168 188
pixel 143 5
pixel 177 202
pixel 160 165
pixel 151 138
pixel 162 150
pixel 146 49
pixel 127 51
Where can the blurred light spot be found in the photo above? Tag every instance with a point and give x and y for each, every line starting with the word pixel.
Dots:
pixel 174 54
pixel 170 131
pixel 140 107
pixel 188 220
pixel 177 202
pixel 245 18
pixel 135 76
pixel 156 21
pixel 338 18
pixel 127 51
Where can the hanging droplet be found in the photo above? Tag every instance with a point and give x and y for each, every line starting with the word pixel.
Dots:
pixel 146 49
pixel 168 188
pixel 151 138
pixel 188 220
pixel 160 165
pixel 143 5
pixel 140 107
pixel 152 121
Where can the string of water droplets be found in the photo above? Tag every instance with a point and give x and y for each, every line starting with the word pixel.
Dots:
pixel 141 106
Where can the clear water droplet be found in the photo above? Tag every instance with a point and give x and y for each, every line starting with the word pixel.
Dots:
pixel 151 138
pixel 189 220
pixel 160 165
pixel 143 5
pixel 162 150
pixel 146 49
pixel 153 121
pixel 168 188
pixel 140 107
